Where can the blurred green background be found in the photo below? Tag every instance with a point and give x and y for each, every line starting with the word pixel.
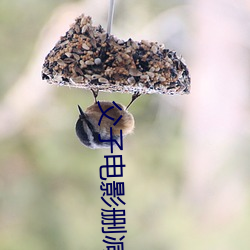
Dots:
pixel 187 163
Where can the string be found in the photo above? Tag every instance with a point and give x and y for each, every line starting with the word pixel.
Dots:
pixel 110 16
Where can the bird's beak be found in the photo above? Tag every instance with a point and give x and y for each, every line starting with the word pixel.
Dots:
pixel 82 115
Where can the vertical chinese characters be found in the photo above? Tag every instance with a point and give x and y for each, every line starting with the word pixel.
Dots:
pixel 113 218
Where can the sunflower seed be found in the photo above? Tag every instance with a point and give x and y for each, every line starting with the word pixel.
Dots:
pixel 88 62
pixel 77 79
pixel 150 74
pixel 144 78
pixel 85 46
pixel 131 80
pixel 145 42
pixel 61 62
pixel 77 57
pixel 103 80
pixel 95 76
pixel 154 49
pixel 134 72
pixel 78 70
pixel 68 54
pixel 69 60
pixel 77 29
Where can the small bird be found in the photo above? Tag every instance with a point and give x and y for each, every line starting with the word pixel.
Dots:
pixel 95 121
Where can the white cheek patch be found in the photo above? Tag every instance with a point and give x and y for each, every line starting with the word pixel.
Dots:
pixel 89 134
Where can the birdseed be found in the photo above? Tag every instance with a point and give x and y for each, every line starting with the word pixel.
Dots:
pixel 87 57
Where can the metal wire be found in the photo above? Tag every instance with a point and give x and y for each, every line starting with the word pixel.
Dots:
pixel 110 16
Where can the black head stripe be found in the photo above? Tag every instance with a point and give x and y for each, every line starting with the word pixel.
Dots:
pixel 89 124
pixel 81 133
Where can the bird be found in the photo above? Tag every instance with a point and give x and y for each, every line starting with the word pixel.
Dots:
pixel 97 120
